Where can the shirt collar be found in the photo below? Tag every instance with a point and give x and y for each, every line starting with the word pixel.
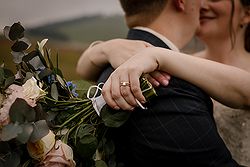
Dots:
pixel 170 44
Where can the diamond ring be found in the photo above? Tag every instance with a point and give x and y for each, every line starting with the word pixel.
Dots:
pixel 124 84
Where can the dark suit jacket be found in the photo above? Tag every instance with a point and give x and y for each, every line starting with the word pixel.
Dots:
pixel 177 129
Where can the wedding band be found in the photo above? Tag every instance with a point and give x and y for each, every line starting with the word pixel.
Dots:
pixel 124 84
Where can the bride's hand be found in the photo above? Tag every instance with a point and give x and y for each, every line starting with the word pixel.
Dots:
pixel 118 51
pixel 157 78
pixel 123 86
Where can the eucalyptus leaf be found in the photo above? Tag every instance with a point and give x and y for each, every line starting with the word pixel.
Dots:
pixel 1 76
pixel 100 163
pixel 25 135
pixel 41 56
pixel 21 112
pixel 86 146
pixel 44 73
pixel 16 31
pixel 82 130
pixel 17 56
pixel 6 32
pixel 40 129
pixel 9 77
pixel 9 81
pixel 30 56
pixel 8 73
pixel 28 76
pixel 19 46
pixel 37 63
pixel 26 41
pixel 54 91
pixel 10 131
pixel 113 118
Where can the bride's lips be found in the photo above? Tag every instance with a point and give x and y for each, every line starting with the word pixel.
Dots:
pixel 206 18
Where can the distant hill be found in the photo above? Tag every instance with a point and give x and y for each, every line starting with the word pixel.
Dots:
pixel 83 29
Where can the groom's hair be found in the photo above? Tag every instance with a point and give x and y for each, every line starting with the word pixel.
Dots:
pixel 142 12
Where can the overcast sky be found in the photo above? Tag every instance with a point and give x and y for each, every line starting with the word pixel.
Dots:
pixel 36 12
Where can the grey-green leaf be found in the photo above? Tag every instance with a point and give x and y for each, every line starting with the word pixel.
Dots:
pixel 54 91
pixel 86 146
pixel 6 32
pixel 100 163
pixel 113 118
pixel 10 131
pixel 19 46
pixel 25 135
pixel 17 56
pixel 16 31
pixel 40 129
pixel 21 112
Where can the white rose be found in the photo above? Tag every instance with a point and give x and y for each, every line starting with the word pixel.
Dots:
pixel 39 149
pixel 32 90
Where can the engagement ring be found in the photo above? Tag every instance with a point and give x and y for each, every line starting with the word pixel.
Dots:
pixel 124 84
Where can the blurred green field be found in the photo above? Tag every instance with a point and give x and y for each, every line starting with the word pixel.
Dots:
pixel 68 56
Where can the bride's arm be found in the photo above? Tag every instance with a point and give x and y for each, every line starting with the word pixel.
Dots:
pixel 226 84
pixel 99 54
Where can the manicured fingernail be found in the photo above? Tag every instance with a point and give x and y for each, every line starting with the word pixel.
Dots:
pixel 157 84
pixel 165 82
pixel 117 108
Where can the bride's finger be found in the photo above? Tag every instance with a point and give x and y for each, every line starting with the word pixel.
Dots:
pixel 135 87
pixel 106 93
pixel 116 92
pixel 126 92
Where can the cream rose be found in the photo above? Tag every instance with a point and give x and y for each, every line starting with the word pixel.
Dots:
pixel 32 90
pixel 39 149
pixel 60 156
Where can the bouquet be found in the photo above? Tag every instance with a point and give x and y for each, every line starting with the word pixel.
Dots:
pixel 46 120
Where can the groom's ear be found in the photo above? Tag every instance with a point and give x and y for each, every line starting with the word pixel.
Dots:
pixel 179 4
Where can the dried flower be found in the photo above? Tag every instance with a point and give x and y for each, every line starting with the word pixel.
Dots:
pixel 39 149
pixel 61 155
pixel 31 90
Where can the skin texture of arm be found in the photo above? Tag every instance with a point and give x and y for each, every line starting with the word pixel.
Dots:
pixel 226 84
pixel 114 52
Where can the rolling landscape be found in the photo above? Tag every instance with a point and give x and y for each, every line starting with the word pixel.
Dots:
pixel 69 39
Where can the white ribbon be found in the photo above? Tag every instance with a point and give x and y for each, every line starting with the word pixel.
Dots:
pixel 98 101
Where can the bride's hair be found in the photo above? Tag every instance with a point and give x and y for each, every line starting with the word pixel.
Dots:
pixel 142 12
pixel 245 4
